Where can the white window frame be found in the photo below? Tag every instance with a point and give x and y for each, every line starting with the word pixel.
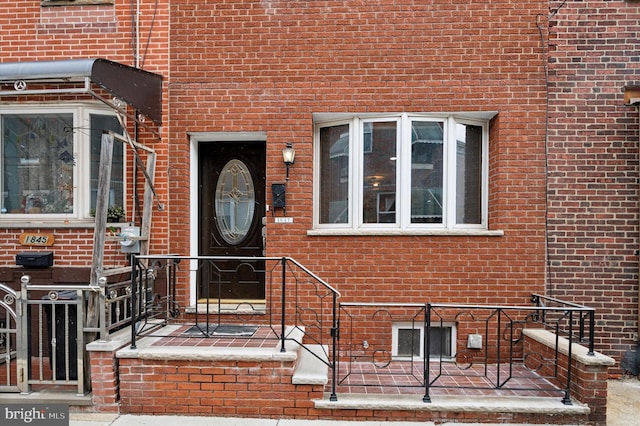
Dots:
pixel 403 223
pixel 82 158
pixel 418 326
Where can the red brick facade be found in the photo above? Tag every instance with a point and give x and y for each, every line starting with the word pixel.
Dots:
pixel 33 30
pixel 593 165
pixel 269 69
pixel 255 66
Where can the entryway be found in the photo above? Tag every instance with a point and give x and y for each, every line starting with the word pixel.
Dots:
pixel 231 211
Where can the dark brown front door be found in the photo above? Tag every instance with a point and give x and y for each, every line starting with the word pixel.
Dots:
pixel 232 208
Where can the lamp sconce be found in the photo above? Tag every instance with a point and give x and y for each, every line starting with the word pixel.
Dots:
pixel 288 156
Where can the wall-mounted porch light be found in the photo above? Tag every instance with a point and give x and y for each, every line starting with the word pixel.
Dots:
pixel 288 156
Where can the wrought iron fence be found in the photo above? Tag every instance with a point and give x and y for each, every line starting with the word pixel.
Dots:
pixel 290 299
pixel 421 347
pixel 473 347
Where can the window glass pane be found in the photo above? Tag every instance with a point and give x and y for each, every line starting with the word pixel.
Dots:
pixel 37 163
pixel 99 123
pixel 379 172
pixel 468 174
pixel 440 341
pixel 427 171
pixel 409 342
pixel 334 174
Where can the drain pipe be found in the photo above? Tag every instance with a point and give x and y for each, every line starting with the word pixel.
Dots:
pixel 632 98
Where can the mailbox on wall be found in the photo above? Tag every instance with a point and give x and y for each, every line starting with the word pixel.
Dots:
pixel 278 191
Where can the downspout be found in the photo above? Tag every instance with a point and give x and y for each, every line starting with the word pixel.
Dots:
pixel 137 32
pixel 632 98
pixel 136 129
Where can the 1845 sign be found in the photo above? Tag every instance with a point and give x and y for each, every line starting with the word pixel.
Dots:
pixel 36 239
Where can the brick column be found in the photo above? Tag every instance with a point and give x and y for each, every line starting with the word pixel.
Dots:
pixel 105 385
pixel 589 373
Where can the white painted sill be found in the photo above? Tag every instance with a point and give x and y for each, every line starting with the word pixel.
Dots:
pixel 407 232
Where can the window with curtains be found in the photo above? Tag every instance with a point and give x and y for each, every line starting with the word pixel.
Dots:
pixel 404 171
pixel 50 161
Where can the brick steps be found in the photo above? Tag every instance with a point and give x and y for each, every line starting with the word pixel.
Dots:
pixel 269 383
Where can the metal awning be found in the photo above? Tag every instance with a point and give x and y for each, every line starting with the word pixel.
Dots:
pixel 140 89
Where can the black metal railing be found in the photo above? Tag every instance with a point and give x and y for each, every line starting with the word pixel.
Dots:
pixel 475 347
pixel 294 303
pixel 422 347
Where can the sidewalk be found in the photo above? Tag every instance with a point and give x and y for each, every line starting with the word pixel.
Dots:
pixel 140 420
pixel 623 407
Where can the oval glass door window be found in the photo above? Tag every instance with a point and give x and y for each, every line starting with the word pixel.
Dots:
pixel 235 202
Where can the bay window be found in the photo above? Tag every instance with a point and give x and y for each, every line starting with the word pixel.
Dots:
pixel 50 159
pixel 404 171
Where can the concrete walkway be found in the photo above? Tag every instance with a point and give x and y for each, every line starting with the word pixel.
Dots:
pixel 135 420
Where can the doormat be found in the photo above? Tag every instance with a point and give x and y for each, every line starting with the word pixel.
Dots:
pixel 223 330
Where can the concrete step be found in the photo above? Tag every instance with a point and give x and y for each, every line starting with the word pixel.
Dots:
pixel 456 404
pixel 311 366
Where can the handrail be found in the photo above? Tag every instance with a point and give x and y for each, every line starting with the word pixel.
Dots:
pixel 281 295
pixel 241 259
pixel 320 280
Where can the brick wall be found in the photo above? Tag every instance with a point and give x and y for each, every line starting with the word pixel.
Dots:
pixel 269 66
pixel 588 374
pixel 593 165
pixel 219 388
pixel 33 32
pixel 105 391
pixel 263 389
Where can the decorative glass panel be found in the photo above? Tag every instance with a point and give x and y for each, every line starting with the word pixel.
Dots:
pixel 379 172
pixel 234 202
pixel 469 174
pixel 334 174
pixel 427 170
pixel 38 161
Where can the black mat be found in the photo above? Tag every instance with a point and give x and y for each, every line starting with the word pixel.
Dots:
pixel 223 330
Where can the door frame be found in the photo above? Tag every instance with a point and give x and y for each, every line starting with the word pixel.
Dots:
pixel 195 139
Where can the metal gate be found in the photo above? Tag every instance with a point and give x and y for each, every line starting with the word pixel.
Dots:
pixel 42 338
pixel 8 340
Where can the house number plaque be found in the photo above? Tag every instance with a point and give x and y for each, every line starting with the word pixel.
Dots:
pixel 31 239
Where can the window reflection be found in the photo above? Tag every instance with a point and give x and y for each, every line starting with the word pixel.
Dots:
pixel 379 172
pixel 38 163
pixel 427 171
pixel 334 174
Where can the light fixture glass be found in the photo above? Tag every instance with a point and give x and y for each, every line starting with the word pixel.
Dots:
pixel 288 156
